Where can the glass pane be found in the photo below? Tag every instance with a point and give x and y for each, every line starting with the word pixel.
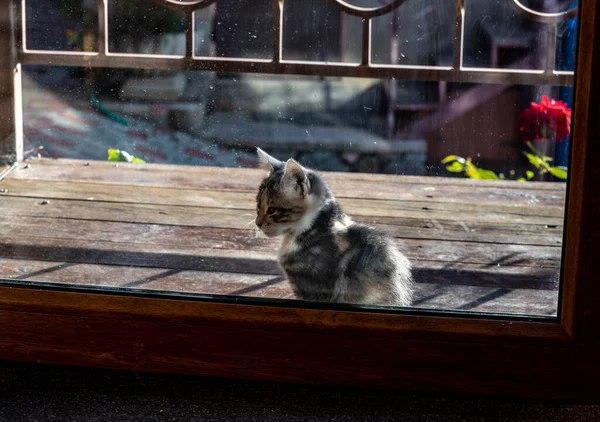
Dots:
pixel 417 33
pixel 69 25
pixel 497 36
pixel 566 38
pixel 145 28
pixel 204 45
pixel 146 179
pixel 243 28
pixel 328 35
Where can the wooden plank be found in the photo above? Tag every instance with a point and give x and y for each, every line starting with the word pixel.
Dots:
pixel 459 210
pixel 237 178
pixel 162 279
pixel 195 238
pixel 140 254
pixel 172 279
pixel 417 228
pixel 344 185
pixel 207 313
pixel 487 299
pixel 272 355
pixel 427 295
pixel 467 274
pixel 515 273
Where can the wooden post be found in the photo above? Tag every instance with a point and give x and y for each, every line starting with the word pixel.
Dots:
pixel 11 145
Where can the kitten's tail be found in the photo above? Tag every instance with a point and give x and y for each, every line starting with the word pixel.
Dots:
pixel 403 283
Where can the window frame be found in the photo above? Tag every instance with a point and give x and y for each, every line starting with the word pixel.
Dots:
pixel 475 355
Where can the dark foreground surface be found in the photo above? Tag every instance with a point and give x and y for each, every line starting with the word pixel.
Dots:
pixel 30 392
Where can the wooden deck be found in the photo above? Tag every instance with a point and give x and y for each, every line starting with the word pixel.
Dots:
pixel 475 246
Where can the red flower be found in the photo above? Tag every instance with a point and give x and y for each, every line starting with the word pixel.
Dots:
pixel 550 119
pixel 561 117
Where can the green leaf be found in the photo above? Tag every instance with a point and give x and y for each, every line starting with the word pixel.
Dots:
pixel 115 155
pixel 453 158
pixel 449 158
pixel 521 179
pixel 530 174
pixel 472 171
pixel 122 156
pixel 559 172
pixel 126 156
pixel 455 167
pixel 487 174
pixel 536 161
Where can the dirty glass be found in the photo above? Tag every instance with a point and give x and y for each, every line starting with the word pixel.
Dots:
pixel 142 175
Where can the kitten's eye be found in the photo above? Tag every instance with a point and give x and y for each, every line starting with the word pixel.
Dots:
pixel 271 210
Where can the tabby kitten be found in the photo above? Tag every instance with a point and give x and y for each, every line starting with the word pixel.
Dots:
pixel 326 256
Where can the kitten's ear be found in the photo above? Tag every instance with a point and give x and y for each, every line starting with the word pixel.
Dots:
pixel 295 177
pixel 267 162
pixel 295 170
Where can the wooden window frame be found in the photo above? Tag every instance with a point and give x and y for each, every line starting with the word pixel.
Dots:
pixel 477 354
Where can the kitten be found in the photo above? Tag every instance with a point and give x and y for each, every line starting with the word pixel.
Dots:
pixel 326 256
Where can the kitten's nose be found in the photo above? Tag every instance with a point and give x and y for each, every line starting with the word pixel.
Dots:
pixel 259 222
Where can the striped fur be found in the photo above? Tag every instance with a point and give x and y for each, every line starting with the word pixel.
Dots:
pixel 326 256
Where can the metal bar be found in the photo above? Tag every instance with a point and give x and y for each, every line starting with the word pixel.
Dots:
pixel 277 30
pixel 551 48
pixel 342 35
pixel 19 42
pixel 459 30
pixel 18 25
pixel 189 33
pixel 18 110
pixel 102 27
pixel 8 142
pixel 365 69
pixel 366 42
pixel 230 65
pixel 395 43
pixel 393 83
pixel 21 37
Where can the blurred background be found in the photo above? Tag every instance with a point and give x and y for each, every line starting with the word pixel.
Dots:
pixel 328 123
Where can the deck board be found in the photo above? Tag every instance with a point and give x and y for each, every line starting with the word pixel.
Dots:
pixel 482 246
pixel 427 295
pixel 188 239
pixel 197 176
pixel 345 185
pixel 132 194
pixel 416 228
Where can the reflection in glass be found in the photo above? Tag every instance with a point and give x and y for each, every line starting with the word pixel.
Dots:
pixel 68 25
pixel 417 33
pixel 497 36
pixel 420 159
